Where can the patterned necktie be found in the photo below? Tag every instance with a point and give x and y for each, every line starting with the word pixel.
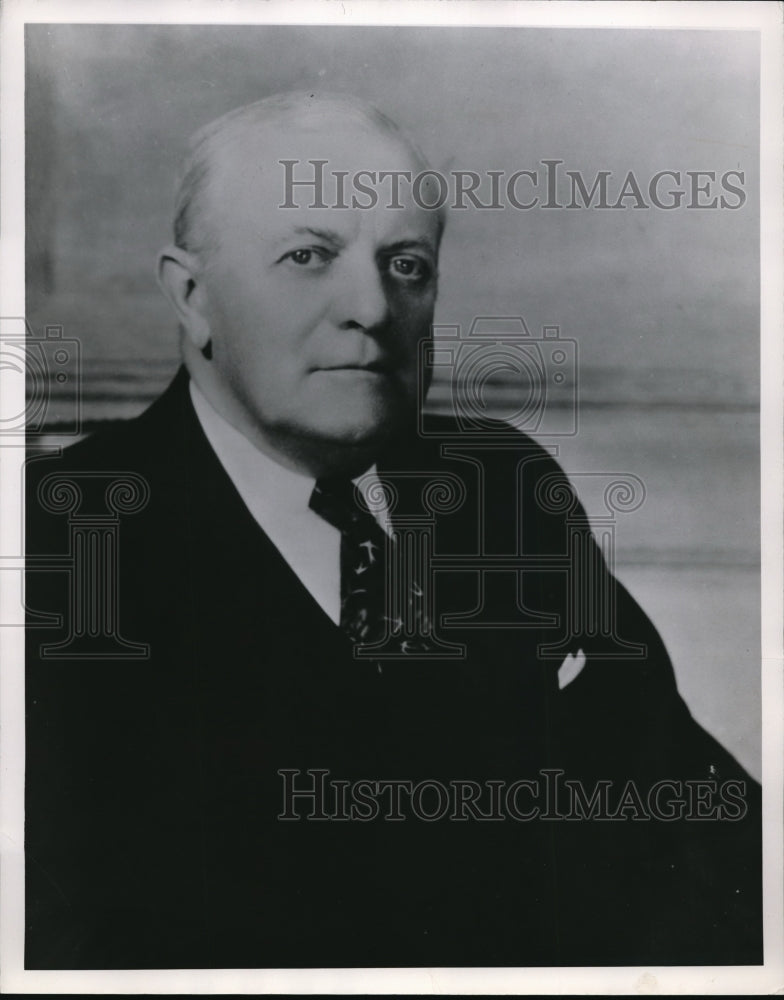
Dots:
pixel 366 613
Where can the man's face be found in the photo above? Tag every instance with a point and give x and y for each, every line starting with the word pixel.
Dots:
pixel 316 314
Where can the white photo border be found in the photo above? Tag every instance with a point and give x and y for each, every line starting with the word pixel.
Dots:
pixel 765 18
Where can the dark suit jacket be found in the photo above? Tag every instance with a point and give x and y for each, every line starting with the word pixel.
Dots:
pixel 153 792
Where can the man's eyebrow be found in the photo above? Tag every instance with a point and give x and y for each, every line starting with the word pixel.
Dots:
pixel 414 244
pixel 338 241
pixel 327 235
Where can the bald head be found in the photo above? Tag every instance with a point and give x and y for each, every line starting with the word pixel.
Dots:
pixel 260 131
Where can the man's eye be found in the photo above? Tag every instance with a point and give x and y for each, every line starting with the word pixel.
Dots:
pixel 305 256
pixel 409 268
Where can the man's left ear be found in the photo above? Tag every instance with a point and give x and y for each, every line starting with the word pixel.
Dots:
pixel 178 278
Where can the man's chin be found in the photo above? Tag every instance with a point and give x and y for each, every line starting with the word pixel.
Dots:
pixel 360 434
pixel 357 418
pixel 343 444
pixel 335 433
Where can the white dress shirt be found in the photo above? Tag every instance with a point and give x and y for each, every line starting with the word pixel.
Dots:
pixel 278 499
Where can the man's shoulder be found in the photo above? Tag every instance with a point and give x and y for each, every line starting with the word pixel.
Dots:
pixel 436 430
pixel 104 446
pixel 495 446
pixel 123 445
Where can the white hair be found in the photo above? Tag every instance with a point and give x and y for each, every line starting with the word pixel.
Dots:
pixel 191 231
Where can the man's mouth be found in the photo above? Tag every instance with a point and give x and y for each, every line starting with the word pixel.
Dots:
pixel 376 367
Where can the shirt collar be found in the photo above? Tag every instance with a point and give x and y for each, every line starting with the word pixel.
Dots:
pixel 268 488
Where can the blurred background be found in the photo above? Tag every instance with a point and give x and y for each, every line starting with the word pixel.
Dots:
pixel 663 306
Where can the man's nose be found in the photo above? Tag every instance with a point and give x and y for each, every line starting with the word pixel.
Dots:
pixel 360 299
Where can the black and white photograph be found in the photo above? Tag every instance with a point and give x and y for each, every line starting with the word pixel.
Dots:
pixel 392 545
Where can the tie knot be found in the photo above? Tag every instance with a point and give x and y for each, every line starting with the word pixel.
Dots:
pixel 340 503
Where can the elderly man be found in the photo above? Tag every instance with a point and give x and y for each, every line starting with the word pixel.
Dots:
pixel 242 761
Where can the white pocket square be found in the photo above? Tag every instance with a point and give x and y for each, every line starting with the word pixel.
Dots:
pixel 570 668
